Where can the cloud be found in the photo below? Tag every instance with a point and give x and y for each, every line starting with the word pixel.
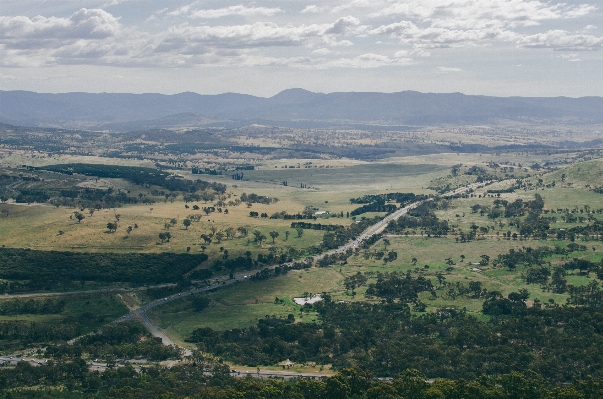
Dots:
pixel 571 57
pixel 193 34
pixel 322 51
pixel 448 69
pixel 438 37
pixel 39 32
pixel 235 10
pixel 343 25
pixel 187 39
pixel 525 12
pixel 367 60
pixel 352 4
pixel 562 40
pixel 312 9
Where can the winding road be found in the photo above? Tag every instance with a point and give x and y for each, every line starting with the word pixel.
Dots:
pixel 140 313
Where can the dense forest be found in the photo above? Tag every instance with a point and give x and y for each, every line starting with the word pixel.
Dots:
pixel 386 338
pixel 137 175
pixel 206 380
pixel 52 266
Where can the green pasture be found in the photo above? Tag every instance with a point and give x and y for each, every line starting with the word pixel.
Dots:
pixel 241 305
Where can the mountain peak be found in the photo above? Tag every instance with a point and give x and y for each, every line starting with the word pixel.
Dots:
pixel 295 96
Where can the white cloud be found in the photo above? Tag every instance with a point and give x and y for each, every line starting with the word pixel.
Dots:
pixel 235 10
pixel 343 25
pixel 518 11
pixel 322 51
pixel 571 57
pixel 312 9
pixel 449 69
pixel 186 38
pixel 39 32
pixel 193 34
pixel 368 60
pixel 561 40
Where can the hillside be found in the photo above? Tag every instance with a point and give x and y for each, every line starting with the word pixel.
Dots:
pixel 293 107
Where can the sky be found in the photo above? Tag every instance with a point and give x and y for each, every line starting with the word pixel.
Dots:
pixel 487 47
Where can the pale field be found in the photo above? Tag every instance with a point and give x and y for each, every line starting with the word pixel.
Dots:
pixel 37 226
pixel 35 158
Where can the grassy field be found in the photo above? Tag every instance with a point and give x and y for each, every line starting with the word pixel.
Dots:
pixel 243 304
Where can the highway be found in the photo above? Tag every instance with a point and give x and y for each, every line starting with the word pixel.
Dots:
pixel 140 313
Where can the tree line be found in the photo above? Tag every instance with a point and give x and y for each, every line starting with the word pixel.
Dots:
pixel 139 268
pixel 386 338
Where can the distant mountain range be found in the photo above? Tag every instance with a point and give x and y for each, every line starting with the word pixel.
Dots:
pixel 292 107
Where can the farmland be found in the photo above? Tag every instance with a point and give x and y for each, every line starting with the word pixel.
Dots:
pixel 151 221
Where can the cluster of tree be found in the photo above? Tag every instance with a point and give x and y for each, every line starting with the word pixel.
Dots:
pixel 297 216
pixel 205 171
pixel 596 229
pixel 526 256
pixel 31 306
pixel 248 263
pixel 338 237
pixel 26 196
pixel 204 379
pixel 422 217
pixel 328 260
pixel 25 264
pixel 269 273
pixel 481 174
pixel 138 175
pixel 377 202
pixel 514 304
pixel 316 226
pixel 589 295
pixel 258 199
pixel 395 286
pixel 374 207
pixel 21 333
pixel 354 281
pixel 401 198
pixel 386 339
pixel 127 340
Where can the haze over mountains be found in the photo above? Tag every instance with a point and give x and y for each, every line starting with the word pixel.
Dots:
pixel 293 107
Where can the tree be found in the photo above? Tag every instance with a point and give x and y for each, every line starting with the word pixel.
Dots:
pixel 78 216
pixel 165 236
pixel 200 303
pixel 186 222
pixel 173 221
pixel 129 230
pixel 274 234
pixel 300 232
pixel 258 237
pixel 111 226
pixel 230 233
pixel 414 261
pixel 219 236
pixel 385 243
pixel 162 237
pixel 287 235
pixel 243 230
pixel 485 259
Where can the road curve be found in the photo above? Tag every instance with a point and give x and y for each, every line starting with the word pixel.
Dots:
pixel 377 228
